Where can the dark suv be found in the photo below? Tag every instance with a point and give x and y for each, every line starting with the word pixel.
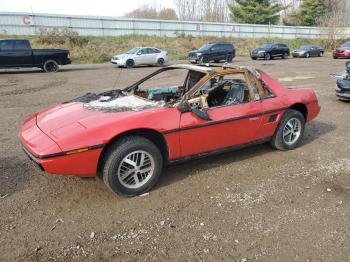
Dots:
pixel 213 52
pixel 270 51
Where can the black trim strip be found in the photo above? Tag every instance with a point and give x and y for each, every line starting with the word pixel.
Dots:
pixel 223 121
pixel 62 153
pixel 218 151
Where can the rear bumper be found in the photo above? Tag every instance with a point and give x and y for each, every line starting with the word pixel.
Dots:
pixel 68 61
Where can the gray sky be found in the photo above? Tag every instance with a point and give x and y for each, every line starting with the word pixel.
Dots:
pixel 80 7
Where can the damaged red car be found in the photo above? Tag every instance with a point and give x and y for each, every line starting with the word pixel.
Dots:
pixel 177 113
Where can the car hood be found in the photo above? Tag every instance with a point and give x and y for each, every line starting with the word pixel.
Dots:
pixel 259 49
pixel 79 116
pixel 343 49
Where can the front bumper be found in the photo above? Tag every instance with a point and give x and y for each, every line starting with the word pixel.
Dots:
pixel 257 55
pixel 299 54
pixel 47 155
pixel 118 62
pixel 342 94
pixel 344 54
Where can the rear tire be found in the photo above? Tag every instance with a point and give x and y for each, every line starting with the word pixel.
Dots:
pixel 125 165
pixel 320 54
pixel 290 131
pixel 161 62
pixel 253 58
pixel 285 56
pixel 229 58
pixel 51 66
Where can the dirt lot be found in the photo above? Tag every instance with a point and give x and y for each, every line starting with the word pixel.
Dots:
pixel 256 204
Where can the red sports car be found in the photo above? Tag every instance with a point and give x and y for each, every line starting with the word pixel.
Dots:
pixel 343 51
pixel 177 113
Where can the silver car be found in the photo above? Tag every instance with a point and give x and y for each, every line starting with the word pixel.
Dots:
pixel 141 56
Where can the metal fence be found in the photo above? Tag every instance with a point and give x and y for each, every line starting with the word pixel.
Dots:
pixel 30 24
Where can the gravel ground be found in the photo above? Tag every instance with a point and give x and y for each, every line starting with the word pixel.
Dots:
pixel 256 204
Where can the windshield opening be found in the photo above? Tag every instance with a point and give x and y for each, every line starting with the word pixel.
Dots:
pixel 346 45
pixel 266 46
pixel 205 47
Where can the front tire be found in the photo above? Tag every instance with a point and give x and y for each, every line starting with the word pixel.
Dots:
pixel 132 166
pixel 51 66
pixel 130 63
pixel 204 60
pixel 268 56
pixel 290 131
pixel 307 55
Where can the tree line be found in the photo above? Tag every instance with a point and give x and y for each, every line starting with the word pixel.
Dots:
pixel 286 12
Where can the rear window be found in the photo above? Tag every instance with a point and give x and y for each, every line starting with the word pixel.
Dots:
pixel 21 45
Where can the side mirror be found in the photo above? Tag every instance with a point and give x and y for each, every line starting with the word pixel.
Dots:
pixel 139 53
pixel 201 113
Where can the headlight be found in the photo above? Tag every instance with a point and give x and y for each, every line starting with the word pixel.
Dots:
pixel 261 51
pixel 198 54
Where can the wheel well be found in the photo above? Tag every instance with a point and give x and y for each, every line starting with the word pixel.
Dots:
pixel 152 135
pixel 301 108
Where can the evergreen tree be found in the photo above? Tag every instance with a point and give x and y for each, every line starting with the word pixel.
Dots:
pixel 255 11
pixel 311 11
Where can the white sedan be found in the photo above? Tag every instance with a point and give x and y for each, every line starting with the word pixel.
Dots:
pixel 141 56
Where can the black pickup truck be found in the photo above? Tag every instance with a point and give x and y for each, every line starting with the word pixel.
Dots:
pixel 16 53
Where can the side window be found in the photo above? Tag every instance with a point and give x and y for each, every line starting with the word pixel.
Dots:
pixel 156 51
pixel 260 89
pixel 6 45
pixel 143 51
pixel 215 47
pixel 21 45
pixel 149 51
pixel 231 89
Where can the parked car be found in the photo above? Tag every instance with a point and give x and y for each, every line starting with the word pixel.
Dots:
pixel 213 52
pixel 141 56
pixel 342 51
pixel 18 53
pixel 343 84
pixel 128 135
pixel 308 51
pixel 270 51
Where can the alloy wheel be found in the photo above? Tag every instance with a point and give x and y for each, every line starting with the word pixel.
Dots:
pixel 292 131
pixel 136 169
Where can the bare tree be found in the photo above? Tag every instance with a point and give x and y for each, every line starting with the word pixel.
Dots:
pixel 335 21
pixel 203 10
pixel 150 12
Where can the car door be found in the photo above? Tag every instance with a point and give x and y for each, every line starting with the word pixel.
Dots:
pixel 215 52
pixel 141 57
pixel 22 53
pixel 229 125
pixel 6 53
pixel 274 50
pixel 151 56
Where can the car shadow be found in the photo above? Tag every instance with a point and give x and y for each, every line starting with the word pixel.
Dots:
pixel 39 71
pixel 177 172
